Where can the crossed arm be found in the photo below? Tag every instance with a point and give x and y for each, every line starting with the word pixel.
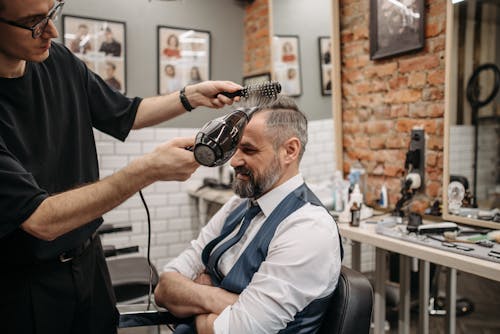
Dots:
pixel 184 297
pixel 293 274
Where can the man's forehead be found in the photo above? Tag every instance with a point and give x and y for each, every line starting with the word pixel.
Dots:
pixel 255 132
pixel 25 8
pixel 257 124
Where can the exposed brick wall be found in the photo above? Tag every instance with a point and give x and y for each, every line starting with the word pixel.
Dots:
pixel 257 44
pixel 383 100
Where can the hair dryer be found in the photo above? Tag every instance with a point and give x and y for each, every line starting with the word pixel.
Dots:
pixel 218 140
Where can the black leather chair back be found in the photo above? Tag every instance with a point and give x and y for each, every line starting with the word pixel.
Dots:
pixel 350 310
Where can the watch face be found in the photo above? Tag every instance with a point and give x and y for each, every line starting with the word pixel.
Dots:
pixel 456 193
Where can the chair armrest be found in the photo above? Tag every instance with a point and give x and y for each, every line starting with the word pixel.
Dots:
pixel 138 315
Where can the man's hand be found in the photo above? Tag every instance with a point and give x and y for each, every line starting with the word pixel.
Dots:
pixel 207 93
pixel 205 323
pixel 203 279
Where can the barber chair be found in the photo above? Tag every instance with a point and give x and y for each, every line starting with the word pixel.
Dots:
pixel 130 276
pixel 349 311
pixel 351 307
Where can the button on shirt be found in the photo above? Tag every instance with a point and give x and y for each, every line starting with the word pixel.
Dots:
pixel 302 264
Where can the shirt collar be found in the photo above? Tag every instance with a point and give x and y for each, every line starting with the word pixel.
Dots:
pixel 269 201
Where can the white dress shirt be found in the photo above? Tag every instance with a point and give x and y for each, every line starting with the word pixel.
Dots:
pixel 302 264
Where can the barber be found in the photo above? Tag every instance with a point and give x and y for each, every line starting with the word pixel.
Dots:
pixel 54 277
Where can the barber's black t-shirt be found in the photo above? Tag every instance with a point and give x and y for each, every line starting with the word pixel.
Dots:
pixel 47 145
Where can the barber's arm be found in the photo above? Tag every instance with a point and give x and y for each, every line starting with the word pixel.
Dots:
pixel 64 212
pixel 154 110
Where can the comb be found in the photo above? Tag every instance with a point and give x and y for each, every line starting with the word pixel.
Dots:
pixel 269 89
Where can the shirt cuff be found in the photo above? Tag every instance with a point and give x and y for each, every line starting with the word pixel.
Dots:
pixel 221 323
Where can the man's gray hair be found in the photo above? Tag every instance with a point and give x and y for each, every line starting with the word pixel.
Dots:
pixel 285 121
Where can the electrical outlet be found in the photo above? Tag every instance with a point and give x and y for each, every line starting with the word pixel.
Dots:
pixel 417 145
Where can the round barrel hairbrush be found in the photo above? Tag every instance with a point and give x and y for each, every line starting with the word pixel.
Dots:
pixel 269 89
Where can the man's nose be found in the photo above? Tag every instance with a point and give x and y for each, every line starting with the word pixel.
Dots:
pixel 236 160
pixel 50 30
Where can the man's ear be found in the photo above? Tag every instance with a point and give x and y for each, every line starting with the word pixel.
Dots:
pixel 291 149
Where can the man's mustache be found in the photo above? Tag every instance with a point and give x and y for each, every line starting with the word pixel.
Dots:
pixel 243 171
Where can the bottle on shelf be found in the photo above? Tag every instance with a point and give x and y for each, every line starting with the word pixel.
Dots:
pixel 358 175
pixel 383 203
pixel 338 191
pixel 355 214
pixel 356 201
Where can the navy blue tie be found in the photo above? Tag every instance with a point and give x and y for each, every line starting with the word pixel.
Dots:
pixel 217 253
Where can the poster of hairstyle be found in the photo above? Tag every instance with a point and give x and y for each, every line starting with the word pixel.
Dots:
pixel 286 63
pixel 100 44
pixel 183 58
pixel 325 67
pixel 396 27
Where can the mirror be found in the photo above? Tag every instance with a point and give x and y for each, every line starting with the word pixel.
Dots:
pixel 471 175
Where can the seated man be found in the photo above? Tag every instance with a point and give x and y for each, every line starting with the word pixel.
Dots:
pixel 267 272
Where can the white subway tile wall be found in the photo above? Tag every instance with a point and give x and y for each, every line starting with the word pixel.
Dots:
pixel 173 214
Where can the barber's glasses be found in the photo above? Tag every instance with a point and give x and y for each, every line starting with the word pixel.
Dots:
pixel 38 24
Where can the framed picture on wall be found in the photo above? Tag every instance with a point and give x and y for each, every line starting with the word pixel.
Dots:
pixel 183 58
pixel 325 64
pixel 396 27
pixel 286 64
pixel 101 45
pixel 256 79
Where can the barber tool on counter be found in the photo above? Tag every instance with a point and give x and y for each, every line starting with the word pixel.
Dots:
pixel 218 139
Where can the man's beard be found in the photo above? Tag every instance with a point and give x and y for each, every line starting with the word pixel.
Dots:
pixel 256 186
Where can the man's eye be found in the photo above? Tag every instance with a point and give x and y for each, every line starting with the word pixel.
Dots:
pixel 31 21
pixel 249 150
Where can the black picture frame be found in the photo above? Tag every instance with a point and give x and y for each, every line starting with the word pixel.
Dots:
pixel 101 44
pixel 186 62
pixel 256 79
pixel 286 64
pixel 396 28
pixel 325 64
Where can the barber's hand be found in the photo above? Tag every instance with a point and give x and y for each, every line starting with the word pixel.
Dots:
pixel 207 93
pixel 171 161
